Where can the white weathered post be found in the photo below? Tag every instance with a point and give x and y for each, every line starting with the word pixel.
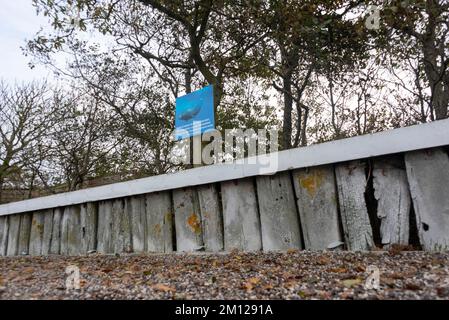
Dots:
pixel 13 235
pixel 428 177
pixel 104 241
pixel 278 215
pixel 351 183
pixel 3 235
pixel 240 216
pixel 121 227
pixel 47 234
pixel 393 200
pixel 318 207
pixel 24 233
pixel 189 235
pixel 88 219
pixel 211 217
pixel 136 207
pixel 159 218
pixel 55 247
pixel 37 233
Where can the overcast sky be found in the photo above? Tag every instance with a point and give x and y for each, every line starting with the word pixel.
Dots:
pixel 18 22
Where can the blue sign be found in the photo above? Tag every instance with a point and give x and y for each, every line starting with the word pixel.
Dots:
pixel 194 113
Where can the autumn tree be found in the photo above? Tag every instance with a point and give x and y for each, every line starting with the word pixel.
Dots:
pixel 422 24
pixel 25 118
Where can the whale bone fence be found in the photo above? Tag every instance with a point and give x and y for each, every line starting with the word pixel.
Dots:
pixel 358 193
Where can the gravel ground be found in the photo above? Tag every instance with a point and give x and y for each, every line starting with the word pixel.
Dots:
pixel 287 275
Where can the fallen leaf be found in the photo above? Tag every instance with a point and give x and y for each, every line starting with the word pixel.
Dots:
pixel 290 284
pixel 351 282
pixel 323 261
pixel 250 283
pixel 248 286
pixel 412 286
pixel 28 270
pixel 163 287
pixel 338 270
pixel 254 280
pixel 360 268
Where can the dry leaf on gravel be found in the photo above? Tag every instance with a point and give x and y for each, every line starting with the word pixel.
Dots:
pixel 163 287
pixel 250 283
pixel 349 283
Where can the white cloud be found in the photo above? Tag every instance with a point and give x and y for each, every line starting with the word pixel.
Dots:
pixel 18 23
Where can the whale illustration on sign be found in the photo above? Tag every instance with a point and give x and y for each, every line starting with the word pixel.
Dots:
pixel 190 112
pixel 194 113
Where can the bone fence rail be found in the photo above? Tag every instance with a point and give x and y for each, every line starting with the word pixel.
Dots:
pixel 356 194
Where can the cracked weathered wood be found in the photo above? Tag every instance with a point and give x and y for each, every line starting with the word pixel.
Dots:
pixel 187 220
pixel 24 233
pixel 278 215
pixel 3 235
pixel 37 233
pixel 392 193
pixel 104 235
pixel 88 219
pixel 48 230
pixel 318 207
pixel 159 222
pixel 428 177
pixel 351 184
pixel 211 217
pixel 136 207
pixel 241 220
pixel 121 227
pixel 55 246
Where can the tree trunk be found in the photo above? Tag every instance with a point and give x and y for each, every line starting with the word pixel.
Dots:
pixel 435 73
pixel 1 188
pixel 288 105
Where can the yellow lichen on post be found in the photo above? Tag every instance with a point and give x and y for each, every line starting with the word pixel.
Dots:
pixel 194 223
pixel 311 181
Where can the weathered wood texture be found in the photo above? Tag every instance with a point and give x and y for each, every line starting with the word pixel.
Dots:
pixel 318 207
pixel 88 219
pixel 189 235
pixel 428 177
pixel 136 209
pixel 278 215
pixel 269 212
pixel 24 233
pixel 121 227
pixel 393 200
pixel 47 233
pixel 159 222
pixel 37 233
pixel 55 244
pixel 211 217
pixel 4 226
pixel 13 235
pixel 71 231
pixel 240 216
pixel 104 233
pixel 351 182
